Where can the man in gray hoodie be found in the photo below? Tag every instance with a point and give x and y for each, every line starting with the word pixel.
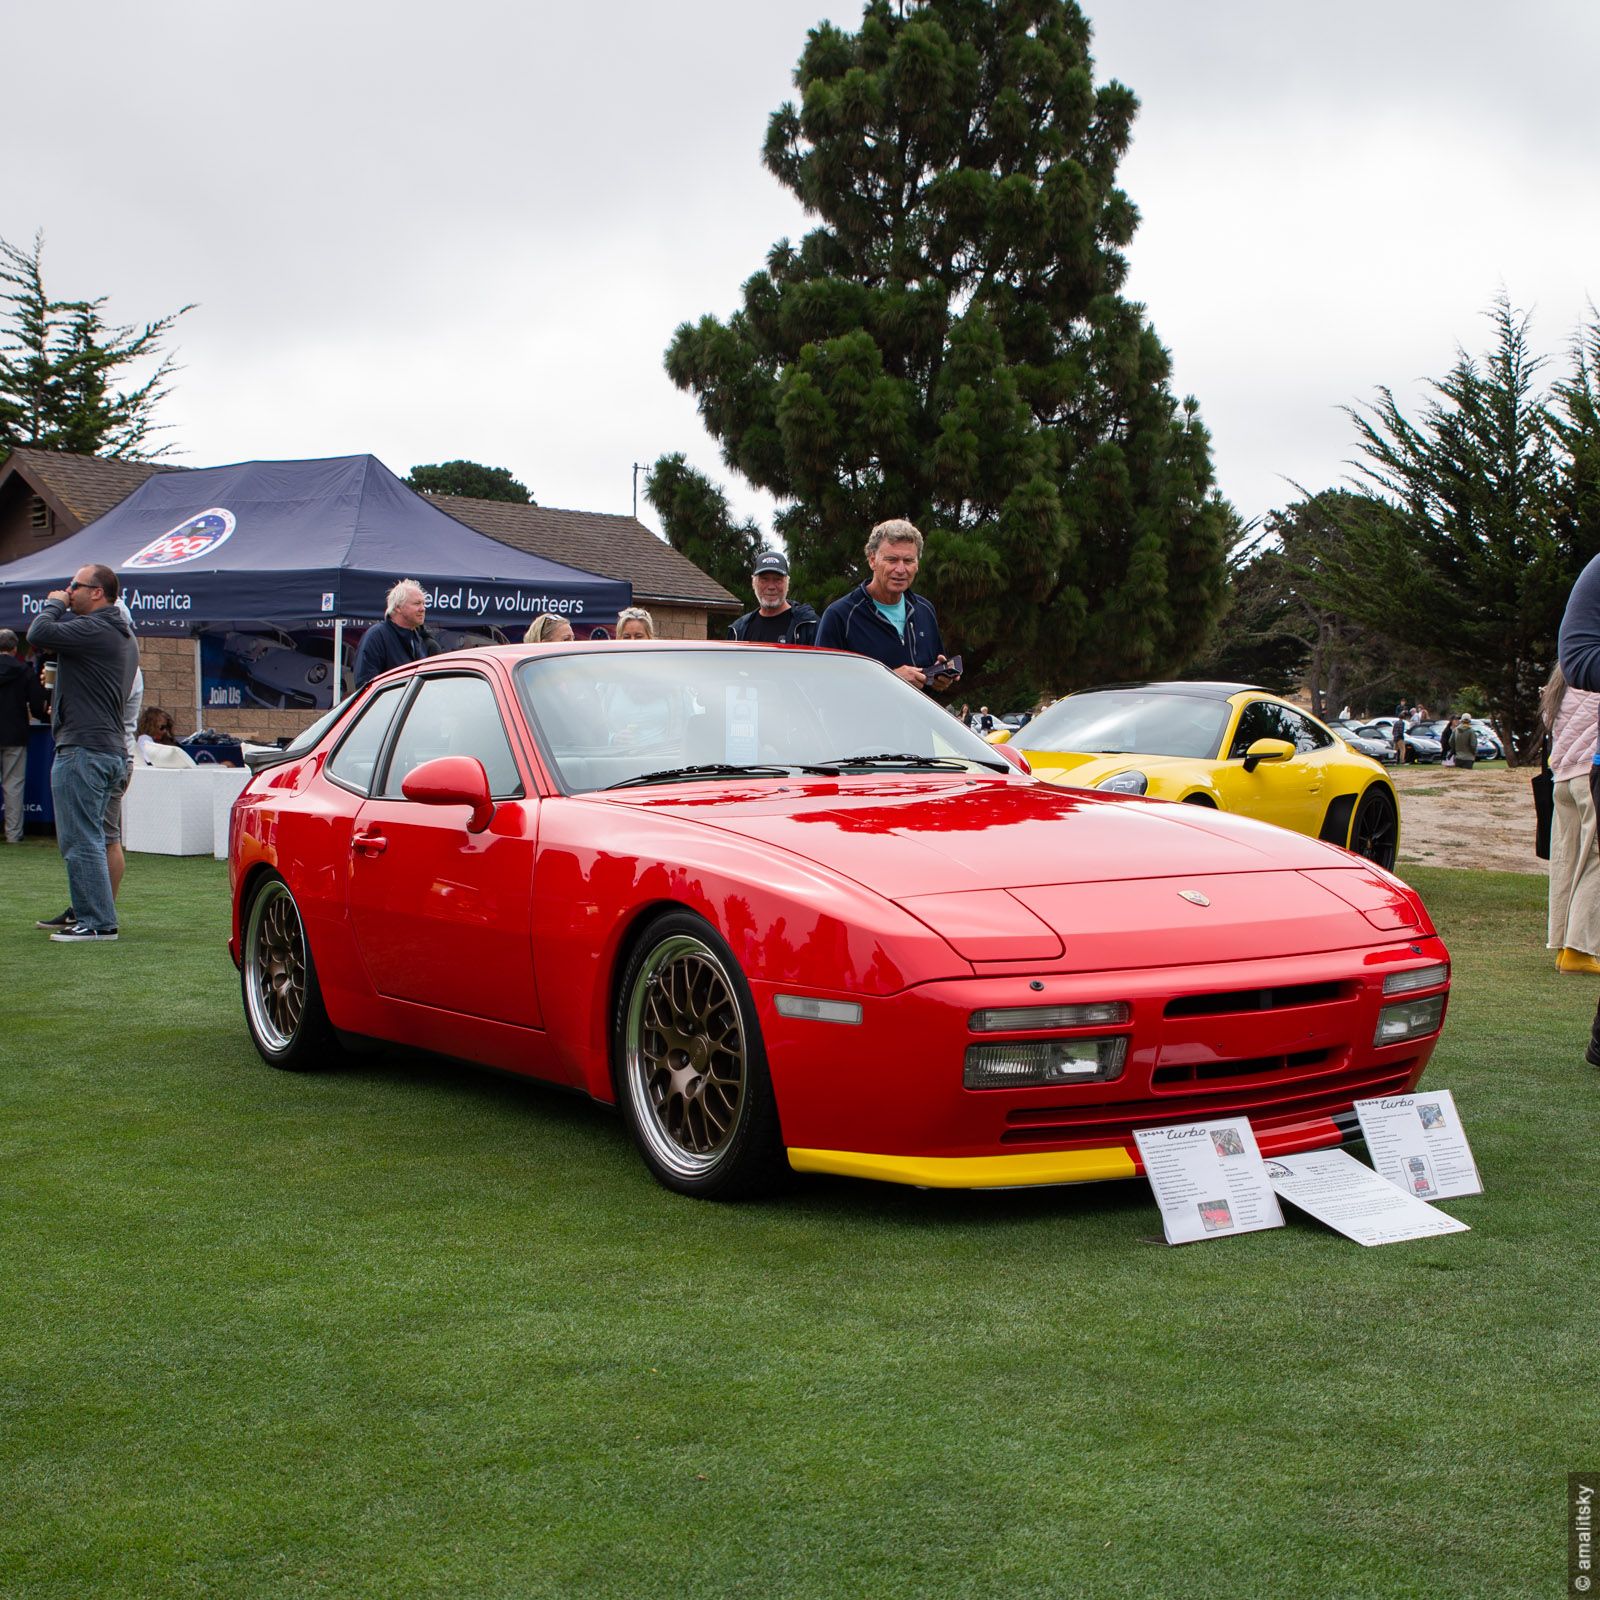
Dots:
pixel 96 660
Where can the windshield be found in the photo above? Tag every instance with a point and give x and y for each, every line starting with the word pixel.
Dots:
pixel 617 715
pixel 1143 722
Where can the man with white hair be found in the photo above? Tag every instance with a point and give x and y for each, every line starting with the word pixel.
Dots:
pixel 883 619
pixel 400 637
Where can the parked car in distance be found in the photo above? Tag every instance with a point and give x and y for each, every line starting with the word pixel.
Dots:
pixel 1370 741
pixel 1223 745
pixel 1420 744
pixel 789 915
pixel 1489 745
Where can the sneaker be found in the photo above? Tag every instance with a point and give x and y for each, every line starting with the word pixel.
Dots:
pixel 1592 1054
pixel 1576 961
pixel 79 935
pixel 66 920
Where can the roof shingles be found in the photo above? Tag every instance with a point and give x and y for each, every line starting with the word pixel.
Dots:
pixel 84 487
pixel 613 546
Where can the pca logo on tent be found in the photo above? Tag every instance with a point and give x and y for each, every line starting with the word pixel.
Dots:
pixel 187 542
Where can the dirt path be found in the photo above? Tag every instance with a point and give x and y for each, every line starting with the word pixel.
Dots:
pixel 1466 819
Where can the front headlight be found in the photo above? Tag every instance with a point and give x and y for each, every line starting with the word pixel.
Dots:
pixel 1027 1063
pixel 1411 1019
pixel 1130 782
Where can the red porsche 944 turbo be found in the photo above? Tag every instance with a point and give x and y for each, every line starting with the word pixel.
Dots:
pixel 786 912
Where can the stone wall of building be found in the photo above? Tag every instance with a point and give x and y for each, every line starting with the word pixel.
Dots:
pixel 684 622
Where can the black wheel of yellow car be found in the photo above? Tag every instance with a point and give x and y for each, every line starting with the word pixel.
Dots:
pixel 1375 828
pixel 282 998
pixel 690 1071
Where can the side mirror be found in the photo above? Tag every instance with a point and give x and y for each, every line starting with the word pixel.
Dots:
pixel 1267 750
pixel 1016 758
pixel 452 781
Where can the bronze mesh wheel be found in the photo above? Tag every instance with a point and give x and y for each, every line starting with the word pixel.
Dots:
pixel 692 1076
pixel 282 999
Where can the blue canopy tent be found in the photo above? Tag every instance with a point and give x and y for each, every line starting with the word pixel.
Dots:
pixel 299 541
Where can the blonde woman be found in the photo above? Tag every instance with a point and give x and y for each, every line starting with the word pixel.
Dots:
pixel 1572 719
pixel 634 622
pixel 547 628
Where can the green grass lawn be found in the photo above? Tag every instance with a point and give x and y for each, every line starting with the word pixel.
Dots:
pixel 408 1329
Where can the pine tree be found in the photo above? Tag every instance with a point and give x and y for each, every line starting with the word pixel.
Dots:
pixel 950 343
pixel 697 522
pixel 1473 567
pixel 59 361
pixel 471 479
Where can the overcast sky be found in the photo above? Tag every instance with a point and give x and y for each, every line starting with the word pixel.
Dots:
pixel 433 232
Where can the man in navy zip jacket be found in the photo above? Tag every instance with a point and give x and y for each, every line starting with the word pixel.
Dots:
pixel 400 637
pixel 1580 660
pixel 883 619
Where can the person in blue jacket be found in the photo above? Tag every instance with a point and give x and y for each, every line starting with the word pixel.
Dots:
pixel 883 619
pixel 1579 649
pixel 400 637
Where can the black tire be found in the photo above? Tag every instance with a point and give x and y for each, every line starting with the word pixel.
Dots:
pixel 689 1067
pixel 1375 827
pixel 278 978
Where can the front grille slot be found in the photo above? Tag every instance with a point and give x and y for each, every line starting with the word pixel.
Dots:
pixel 1325 1095
pixel 1209 1071
pixel 1278 998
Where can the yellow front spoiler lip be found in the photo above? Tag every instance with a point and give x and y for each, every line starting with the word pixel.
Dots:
pixel 971 1172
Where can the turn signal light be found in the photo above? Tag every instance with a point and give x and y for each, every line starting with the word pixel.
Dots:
pixel 1004 1019
pixel 1415 978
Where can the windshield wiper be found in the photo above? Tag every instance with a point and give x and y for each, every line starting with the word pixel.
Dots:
pixel 710 769
pixel 891 758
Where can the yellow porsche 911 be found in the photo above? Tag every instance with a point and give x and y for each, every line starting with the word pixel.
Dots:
pixel 1223 745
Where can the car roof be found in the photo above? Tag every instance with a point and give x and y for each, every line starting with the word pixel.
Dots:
pixel 530 652
pixel 1197 691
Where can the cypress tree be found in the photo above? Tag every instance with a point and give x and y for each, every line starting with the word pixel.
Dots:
pixel 950 343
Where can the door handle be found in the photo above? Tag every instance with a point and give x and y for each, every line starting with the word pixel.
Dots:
pixel 369 844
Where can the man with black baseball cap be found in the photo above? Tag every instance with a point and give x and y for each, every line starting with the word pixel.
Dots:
pixel 775 621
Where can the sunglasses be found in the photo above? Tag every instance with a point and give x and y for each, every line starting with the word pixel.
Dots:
pixel 76 585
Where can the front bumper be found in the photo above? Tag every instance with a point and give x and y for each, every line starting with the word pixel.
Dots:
pixel 1037 1169
pixel 1286 1043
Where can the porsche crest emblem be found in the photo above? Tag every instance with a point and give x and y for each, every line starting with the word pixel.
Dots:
pixel 1195 898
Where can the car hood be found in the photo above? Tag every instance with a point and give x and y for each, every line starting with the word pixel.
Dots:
pixel 1018 871
pixel 936 835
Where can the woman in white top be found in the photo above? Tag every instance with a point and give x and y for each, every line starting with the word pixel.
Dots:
pixel 1572 718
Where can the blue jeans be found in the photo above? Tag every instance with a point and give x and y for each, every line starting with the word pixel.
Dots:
pixel 80 783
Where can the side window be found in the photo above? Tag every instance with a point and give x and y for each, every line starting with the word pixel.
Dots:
pixel 454 716
pixel 1255 722
pixel 356 758
pixel 1264 719
pixel 1307 735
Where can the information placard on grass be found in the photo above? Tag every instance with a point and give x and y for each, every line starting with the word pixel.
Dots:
pixel 1347 1195
pixel 1209 1179
pixel 1418 1144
